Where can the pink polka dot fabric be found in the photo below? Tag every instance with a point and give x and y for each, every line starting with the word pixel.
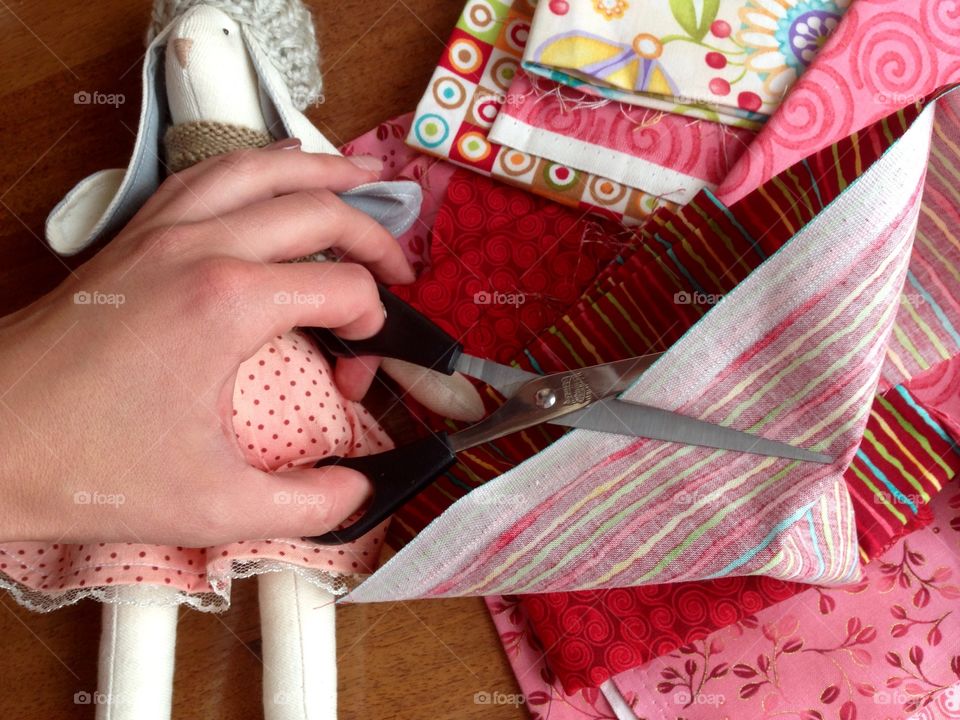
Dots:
pixel 287 413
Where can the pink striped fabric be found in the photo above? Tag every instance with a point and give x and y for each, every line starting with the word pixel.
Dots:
pixel 794 353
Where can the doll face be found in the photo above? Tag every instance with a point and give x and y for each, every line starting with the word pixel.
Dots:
pixel 209 73
pixel 213 29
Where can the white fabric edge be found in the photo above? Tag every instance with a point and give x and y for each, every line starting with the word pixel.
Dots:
pixel 616 701
pixel 615 165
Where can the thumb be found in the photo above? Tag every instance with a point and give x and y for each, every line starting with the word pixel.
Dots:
pixel 302 502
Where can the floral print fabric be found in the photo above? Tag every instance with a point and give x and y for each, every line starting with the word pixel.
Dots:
pixel 729 61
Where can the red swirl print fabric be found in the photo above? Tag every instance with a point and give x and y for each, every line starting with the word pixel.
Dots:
pixel 504 264
pixel 591 636
pixel 884 55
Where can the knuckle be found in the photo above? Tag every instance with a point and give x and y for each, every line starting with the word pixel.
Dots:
pixel 358 276
pixel 323 201
pixel 241 163
pixel 220 283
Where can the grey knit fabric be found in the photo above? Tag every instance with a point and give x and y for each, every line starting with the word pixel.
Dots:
pixel 283 28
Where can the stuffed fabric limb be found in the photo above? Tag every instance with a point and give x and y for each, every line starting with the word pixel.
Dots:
pixel 137 645
pixel 299 648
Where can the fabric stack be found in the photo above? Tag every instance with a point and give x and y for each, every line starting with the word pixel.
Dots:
pixel 767 190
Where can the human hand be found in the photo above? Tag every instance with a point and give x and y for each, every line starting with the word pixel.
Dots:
pixel 130 392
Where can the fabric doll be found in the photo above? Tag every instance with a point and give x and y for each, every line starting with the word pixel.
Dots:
pixel 220 76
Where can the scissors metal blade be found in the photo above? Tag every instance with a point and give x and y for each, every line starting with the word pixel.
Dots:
pixel 505 379
pixel 603 380
pixel 626 418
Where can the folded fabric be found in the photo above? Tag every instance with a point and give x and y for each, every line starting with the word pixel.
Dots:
pixel 702 238
pixel 728 60
pixel 548 539
pixel 883 56
pixel 466 93
pixel 401 162
pixel 660 153
pixel 883 648
pixel 887 506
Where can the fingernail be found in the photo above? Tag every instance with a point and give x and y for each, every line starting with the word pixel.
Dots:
pixel 367 162
pixel 384 308
pixel 284 144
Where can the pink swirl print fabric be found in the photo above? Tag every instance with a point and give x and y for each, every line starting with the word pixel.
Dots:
pixel 885 54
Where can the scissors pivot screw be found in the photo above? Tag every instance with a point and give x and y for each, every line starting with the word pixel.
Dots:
pixel 545 398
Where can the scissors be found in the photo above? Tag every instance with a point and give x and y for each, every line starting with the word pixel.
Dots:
pixel 580 398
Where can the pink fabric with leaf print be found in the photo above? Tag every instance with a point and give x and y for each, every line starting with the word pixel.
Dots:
pixel 881 648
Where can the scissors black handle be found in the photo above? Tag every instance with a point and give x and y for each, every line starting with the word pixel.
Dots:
pixel 396 475
pixel 405 335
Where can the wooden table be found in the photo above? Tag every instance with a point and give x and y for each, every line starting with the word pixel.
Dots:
pixel 402 660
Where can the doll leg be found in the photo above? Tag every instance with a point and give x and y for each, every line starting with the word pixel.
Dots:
pixel 137 643
pixel 299 648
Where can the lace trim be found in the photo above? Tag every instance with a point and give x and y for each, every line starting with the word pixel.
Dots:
pixel 217 600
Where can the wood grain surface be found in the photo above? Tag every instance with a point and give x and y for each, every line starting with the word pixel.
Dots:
pixel 400 660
